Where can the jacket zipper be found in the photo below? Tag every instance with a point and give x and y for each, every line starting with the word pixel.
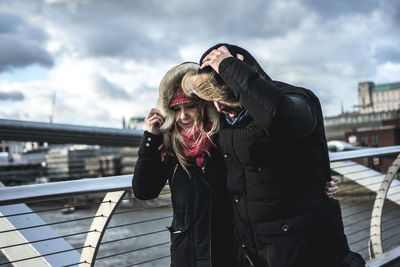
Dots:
pixel 203 169
pixel 173 175
pixel 210 216
pixel 235 218
pixel 211 234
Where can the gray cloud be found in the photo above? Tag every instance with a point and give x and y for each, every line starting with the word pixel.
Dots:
pixel 130 29
pixel 387 53
pixel 153 30
pixel 150 31
pixel 391 12
pixel 110 90
pixel 11 96
pixel 21 44
pixel 134 44
pixel 334 9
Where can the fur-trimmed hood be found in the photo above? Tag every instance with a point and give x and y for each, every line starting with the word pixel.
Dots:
pixel 171 81
pixel 168 85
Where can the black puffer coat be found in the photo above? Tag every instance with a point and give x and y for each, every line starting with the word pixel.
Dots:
pixel 201 230
pixel 277 165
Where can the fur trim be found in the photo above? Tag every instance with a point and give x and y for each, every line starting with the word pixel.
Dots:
pixel 168 85
pixel 205 86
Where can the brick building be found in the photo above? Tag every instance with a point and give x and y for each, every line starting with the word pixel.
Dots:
pixel 388 134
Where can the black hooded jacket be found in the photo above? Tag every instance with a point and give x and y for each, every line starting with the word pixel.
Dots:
pixel 277 165
pixel 201 229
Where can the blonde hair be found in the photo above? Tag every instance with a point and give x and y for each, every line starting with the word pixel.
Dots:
pixel 207 87
pixel 200 123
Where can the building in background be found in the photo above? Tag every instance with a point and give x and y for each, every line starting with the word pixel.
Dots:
pixel 376 104
pixel 388 134
pixel 337 126
pixel 22 162
pixel 375 124
pixel 136 123
pixel 66 162
pixel 378 97
pixel 11 147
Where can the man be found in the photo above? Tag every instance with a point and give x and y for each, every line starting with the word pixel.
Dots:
pixel 274 145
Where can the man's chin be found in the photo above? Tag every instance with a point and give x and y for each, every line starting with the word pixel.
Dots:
pixel 232 115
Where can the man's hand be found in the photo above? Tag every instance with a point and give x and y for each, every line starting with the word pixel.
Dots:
pixel 215 57
pixel 164 152
pixel 154 121
pixel 331 187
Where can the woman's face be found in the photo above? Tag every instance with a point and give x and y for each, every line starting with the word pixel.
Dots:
pixel 186 114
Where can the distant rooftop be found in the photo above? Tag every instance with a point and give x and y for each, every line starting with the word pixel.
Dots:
pixel 386 87
pixel 376 128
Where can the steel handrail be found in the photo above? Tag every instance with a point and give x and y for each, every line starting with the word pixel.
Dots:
pixel 362 153
pixel 36 192
pixel 56 133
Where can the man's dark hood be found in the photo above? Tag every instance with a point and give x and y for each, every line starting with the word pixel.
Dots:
pixel 234 50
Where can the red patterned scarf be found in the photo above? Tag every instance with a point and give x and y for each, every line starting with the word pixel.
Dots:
pixel 199 151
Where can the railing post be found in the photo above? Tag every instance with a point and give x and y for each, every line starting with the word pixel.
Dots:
pixel 375 242
pixel 98 227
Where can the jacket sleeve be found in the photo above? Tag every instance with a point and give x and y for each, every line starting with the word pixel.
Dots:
pixel 296 118
pixel 271 108
pixel 149 175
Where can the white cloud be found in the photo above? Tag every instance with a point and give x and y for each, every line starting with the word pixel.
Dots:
pixel 388 72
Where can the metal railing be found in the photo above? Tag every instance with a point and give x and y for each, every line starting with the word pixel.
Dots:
pixel 55 133
pixel 370 200
pixel 110 227
pixel 122 225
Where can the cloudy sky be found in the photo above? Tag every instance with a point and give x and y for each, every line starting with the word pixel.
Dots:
pixel 102 60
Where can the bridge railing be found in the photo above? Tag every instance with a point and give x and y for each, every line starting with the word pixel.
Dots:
pixel 122 229
pixel 370 198
pixel 110 227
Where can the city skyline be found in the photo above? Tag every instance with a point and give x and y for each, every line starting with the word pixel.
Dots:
pixel 103 60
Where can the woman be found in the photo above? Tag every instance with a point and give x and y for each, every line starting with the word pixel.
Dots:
pixel 201 230
pixel 186 128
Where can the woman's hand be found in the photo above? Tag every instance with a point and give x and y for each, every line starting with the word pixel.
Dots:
pixel 154 121
pixel 331 187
